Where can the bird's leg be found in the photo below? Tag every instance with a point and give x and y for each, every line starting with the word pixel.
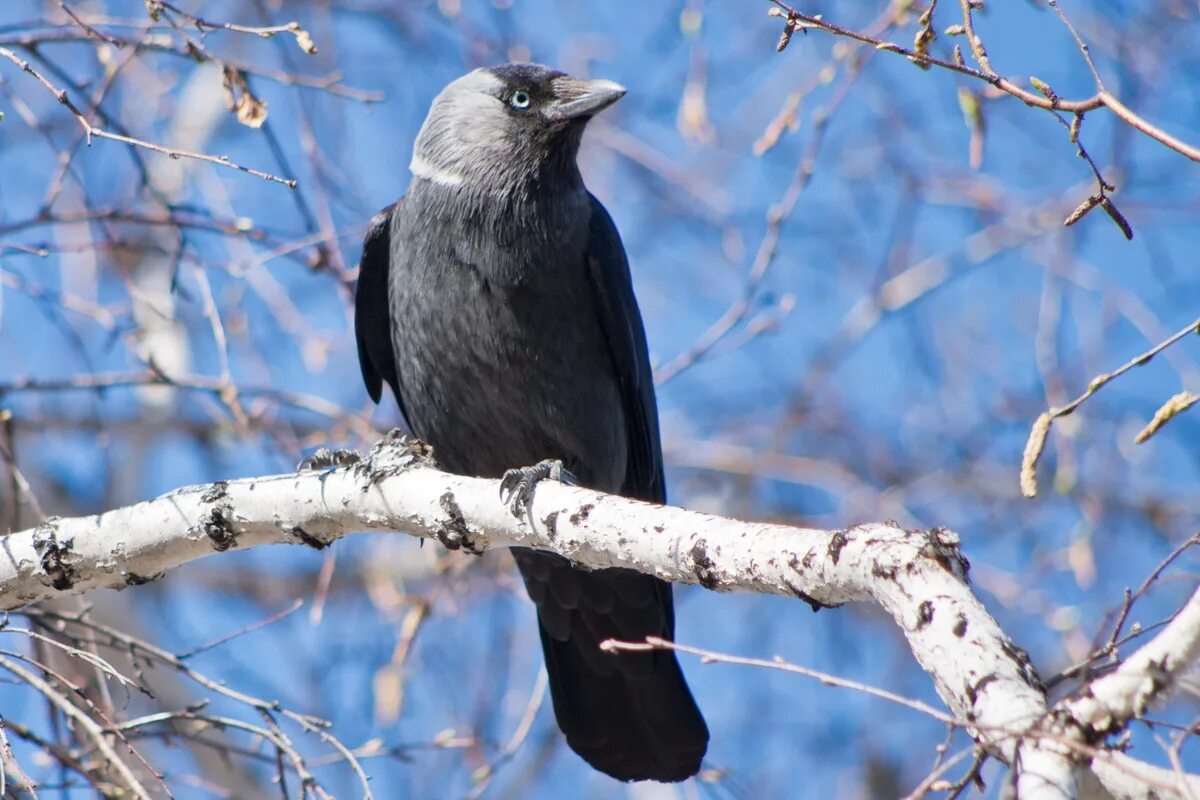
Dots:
pixel 517 485
pixel 324 458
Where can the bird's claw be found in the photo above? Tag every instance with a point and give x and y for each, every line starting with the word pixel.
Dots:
pixel 324 458
pixel 517 485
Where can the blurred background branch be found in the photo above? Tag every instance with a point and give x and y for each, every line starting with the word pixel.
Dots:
pixel 858 290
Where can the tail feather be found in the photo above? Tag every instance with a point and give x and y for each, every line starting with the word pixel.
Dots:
pixel 629 715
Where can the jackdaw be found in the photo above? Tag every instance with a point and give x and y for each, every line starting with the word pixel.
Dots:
pixel 495 299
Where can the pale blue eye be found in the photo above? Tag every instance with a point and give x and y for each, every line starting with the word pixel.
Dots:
pixel 520 99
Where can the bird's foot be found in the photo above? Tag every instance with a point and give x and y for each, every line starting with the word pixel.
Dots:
pixel 517 485
pixel 324 458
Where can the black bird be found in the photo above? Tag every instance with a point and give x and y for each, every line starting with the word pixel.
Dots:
pixel 495 299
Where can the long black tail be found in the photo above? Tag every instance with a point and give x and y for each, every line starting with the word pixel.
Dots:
pixel 630 715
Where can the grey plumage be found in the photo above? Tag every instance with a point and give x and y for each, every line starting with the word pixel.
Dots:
pixel 495 299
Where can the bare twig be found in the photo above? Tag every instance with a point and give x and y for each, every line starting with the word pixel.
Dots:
pixel 94 731
pixel 1102 99
pixel 93 131
pixel 1041 428
pixel 712 657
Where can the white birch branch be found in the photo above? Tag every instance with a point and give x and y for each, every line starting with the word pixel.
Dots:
pixel 1149 675
pixel 1125 778
pixel 917 576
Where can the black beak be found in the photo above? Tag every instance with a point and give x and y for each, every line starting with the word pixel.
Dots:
pixel 576 99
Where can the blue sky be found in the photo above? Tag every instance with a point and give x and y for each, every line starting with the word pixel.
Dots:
pixel 921 418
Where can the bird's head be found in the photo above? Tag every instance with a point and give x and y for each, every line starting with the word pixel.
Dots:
pixel 505 127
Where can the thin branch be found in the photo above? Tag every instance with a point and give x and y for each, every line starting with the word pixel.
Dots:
pixel 976 44
pixel 269 709
pixel 242 631
pixel 331 83
pixel 94 731
pixel 156 377
pixel 303 39
pixel 1102 99
pixel 520 734
pixel 1041 427
pixel 92 131
pixel 768 247
pixel 777 663
pixel 88 29
pixel 1125 113
pixel 1083 48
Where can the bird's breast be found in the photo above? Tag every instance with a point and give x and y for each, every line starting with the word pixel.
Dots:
pixel 502 355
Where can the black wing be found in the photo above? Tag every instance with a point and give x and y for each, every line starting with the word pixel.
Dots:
pixel 372 315
pixel 631 716
pixel 621 321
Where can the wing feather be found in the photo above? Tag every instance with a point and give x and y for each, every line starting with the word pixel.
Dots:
pixel 621 322
pixel 372 314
